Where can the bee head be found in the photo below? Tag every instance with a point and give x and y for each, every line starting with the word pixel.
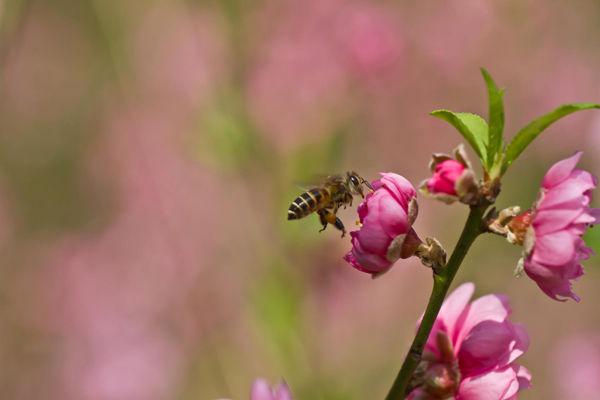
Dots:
pixel 355 183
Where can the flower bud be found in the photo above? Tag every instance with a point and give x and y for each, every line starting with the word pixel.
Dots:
pixel 441 380
pixel 453 178
pixel 445 176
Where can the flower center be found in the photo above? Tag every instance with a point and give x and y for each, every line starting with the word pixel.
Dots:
pixel 518 227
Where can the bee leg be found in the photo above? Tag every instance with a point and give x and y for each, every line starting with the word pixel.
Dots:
pixel 323 219
pixel 348 200
pixel 328 217
pixel 338 224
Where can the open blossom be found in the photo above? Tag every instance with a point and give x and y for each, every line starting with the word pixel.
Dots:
pixel 261 390
pixel 472 351
pixel 552 231
pixel 386 234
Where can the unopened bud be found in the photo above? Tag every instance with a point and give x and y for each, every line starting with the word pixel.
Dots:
pixel 453 179
pixel 441 380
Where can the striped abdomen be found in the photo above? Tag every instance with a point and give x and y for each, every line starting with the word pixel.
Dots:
pixel 308 202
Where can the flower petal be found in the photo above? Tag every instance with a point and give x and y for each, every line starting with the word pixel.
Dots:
pixel 364 261
pixel 520 342
pixel 399 187
pixel 283 392
pixel 495 385
pixel 555 282
pixel 554 249
pixel 572 192
pixel 486 346
pixel 454 306
pixel 561 170
pixel 493 307
pixel 392 217
pixel 554 219
pixel 524 377
pixel 261 390
pixel 372 236
pixel 595 213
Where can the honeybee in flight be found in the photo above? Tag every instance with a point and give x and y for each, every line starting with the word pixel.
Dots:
pixel 325 199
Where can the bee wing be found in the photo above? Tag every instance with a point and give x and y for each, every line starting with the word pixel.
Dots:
pixel 315 181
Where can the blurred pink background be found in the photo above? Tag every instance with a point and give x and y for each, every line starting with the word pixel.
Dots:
pixel 149 151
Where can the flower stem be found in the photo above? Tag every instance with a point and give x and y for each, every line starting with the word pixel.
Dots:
pixel 441 283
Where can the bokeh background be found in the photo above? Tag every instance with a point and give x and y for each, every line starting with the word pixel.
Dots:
pixel 149 151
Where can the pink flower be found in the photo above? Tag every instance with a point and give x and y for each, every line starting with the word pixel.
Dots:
pixel 386 234
pixel 471 351
pixel 261 390
pixel 552 239
pixel 453 178
pixel 445 176
pixel 581 352
pixel 369 40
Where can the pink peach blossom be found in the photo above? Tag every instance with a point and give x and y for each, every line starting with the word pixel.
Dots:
pixel 453 178
pixel 386 234
pixel 581 352
pixel 310 58
pixel 445 176
pixel 471 351
pixel 261 390
pixel 554 247
pixel 370 41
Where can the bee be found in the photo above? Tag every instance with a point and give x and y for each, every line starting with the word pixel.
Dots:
pixel 336 191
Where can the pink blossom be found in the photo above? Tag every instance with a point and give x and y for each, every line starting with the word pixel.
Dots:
pixel 370 40
pixel 178 55
pixel 554 247
pixel 471 351
pixel 261 390
pixel 386 234
pixel 453 178
pixel 581 352
pixel 445 176
pixel 309 60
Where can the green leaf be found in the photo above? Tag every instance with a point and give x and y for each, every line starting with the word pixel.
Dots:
pixel 496 117
pixel 592 238
pixel 526 135
pixel 471 126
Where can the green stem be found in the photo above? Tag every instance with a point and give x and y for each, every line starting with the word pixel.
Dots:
pixel 441 284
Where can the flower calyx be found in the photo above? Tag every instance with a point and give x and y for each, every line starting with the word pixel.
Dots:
pixel 437 377
pixel 519 230
pixel 515 226
pixel 432 254
pixel 498 222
